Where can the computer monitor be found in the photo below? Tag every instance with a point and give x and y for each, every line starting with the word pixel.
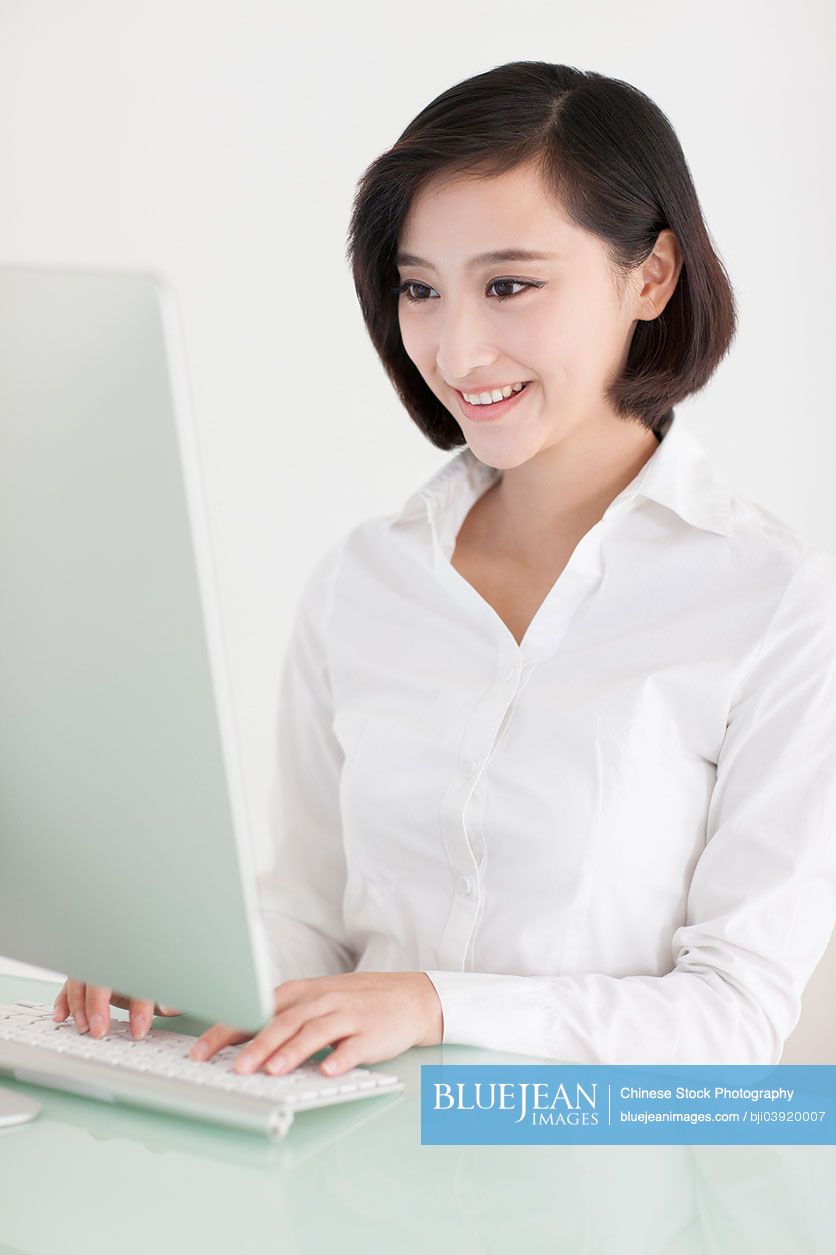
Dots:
pixel 126 858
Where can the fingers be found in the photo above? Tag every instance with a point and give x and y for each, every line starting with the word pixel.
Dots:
pixel 140 1015
pixel 309 1039
pixel 61 1006
pixel 141 1012
pixel 75 999
pixel 347 1054
pixel 89 1005
pixel 287 1041
pixel 214 1039
pixel 97 1009
pixel 95 1003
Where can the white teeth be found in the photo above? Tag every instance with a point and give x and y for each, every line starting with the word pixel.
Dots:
pixel 487 398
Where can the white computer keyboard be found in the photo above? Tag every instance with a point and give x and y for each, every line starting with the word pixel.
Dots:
pixel 155 1071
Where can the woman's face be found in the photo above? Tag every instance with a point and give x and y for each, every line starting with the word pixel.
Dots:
pixel 470 326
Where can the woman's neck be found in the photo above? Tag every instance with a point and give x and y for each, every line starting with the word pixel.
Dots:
pixel 564 489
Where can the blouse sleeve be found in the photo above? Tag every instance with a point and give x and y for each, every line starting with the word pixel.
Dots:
pixel 762 899
pixel 301 893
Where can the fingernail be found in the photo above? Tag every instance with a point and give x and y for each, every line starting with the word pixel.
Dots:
pixel 278 1064
pixel 328 1065
pixel 96 1025
pixel 200 1050
pixel 245 1063
pixel 81 1024
pixel 140 1025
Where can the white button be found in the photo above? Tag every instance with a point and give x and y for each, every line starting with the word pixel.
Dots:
pixel 463 884
pixel 468 768
pixel 509 673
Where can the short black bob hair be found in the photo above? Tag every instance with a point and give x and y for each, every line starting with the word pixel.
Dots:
pixel 615 165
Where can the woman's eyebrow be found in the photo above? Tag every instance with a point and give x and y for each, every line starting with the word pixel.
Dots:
pixel 482 259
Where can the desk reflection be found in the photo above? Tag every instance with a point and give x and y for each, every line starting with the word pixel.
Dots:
pixel 356 1178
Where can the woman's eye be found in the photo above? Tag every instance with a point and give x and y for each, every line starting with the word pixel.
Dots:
pixel 404 288
pixel 498 283
pixel 520 284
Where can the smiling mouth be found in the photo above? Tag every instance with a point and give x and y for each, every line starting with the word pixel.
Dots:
pixel 490 409
pixel 488 404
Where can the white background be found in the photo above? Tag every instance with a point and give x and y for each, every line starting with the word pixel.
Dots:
pixel 221 143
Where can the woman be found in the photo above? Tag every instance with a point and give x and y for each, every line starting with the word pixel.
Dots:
pixel 557 739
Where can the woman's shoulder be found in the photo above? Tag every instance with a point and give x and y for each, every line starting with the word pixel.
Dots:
pixel 365 545
pixel 765 544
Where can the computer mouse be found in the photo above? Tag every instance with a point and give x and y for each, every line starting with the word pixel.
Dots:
pixel 17 1107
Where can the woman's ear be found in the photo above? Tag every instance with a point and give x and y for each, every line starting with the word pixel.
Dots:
pixel 658 276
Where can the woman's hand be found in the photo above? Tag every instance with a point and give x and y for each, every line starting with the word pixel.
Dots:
pixel 89 1005
pixel 368 1016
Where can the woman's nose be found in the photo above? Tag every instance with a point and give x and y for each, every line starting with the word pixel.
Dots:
pixel 462 346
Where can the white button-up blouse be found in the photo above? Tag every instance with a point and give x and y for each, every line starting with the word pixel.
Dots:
pixel 612 843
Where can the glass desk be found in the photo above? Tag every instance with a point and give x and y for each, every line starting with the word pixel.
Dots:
pixel 87 1176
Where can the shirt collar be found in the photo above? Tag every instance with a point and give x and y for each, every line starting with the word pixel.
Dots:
pixel 678 474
